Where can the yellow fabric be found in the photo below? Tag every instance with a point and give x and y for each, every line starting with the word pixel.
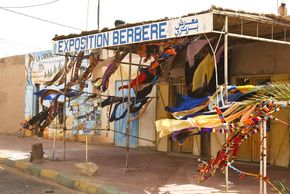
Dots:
pixel 244 89
pixel 181 114
pixel 98 83
pixel 204 71
pixel 168 126
pixel 231 109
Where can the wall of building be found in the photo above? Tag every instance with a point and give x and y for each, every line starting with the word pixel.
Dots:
pixel 268 60
pixel 12 90
pixel 259 59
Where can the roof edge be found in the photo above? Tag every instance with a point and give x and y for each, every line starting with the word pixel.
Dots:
pixel 214 9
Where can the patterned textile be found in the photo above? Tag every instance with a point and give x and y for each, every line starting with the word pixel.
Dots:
pixel 112 69
pixel 94 60
pixel 78 64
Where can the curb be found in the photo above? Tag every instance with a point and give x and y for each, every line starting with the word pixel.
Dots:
pixel 59 178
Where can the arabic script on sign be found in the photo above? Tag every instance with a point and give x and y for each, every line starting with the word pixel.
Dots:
pixel 184 27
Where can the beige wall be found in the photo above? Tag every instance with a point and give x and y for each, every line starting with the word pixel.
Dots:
pixel 259 59
pixel 12 90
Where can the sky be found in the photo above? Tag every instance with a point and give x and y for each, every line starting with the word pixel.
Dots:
pixel 20 34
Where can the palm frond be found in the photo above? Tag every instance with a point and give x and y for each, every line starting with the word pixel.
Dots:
pixel 279 91
pixel 282 186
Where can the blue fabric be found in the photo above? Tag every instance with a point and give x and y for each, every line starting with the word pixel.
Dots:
pixel 187 103
pixel 113 115
pixel 73 93
pixel 40 92
pixel 234 97
pixel 212 112
pixel 231 87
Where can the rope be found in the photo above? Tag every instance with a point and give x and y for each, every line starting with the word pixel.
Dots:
pixel 89 130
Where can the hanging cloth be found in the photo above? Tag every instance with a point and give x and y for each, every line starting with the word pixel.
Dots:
pixel 66 71
pixel 136 108
pixel 193 49
pixel 187 103
pixel 112 68
pixel 144 77
pixel 144 92
pixel 203 73
pixel 94 60
pixel 113 115
pixel 142 111
pixel 39 117
pixel 78 64
pixel 52 113
pixel 167 126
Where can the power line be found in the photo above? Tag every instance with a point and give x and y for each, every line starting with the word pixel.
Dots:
pixel 36 18
pixel 29 6
pixel 18 45
pixel 10 42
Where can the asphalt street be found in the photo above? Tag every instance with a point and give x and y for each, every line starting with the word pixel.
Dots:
pixel 15 182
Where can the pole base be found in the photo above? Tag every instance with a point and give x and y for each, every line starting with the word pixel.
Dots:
pixel 127 170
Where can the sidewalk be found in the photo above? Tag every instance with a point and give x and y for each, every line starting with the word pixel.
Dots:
pixel 155 172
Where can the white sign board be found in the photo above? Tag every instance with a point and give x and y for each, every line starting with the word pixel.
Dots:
pixel 186 26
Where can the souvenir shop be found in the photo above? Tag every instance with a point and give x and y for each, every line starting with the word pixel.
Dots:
pixel 218 81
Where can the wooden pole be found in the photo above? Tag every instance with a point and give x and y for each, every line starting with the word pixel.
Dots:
pixel 64 113
pixel 54 141
pixel 226 84
pixel 86 147
pixel 265 155
pixel 128 117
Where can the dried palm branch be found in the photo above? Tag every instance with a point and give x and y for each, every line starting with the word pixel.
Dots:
pixel 282 186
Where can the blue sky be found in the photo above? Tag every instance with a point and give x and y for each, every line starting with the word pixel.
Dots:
pixel 20 34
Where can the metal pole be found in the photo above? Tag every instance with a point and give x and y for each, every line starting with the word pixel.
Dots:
pixel 87 22
pixel 265 155
pixel 54 141
pixel 98 14
pixel 128 117
pixel 226 92
pixel 86 148
pixel 254 38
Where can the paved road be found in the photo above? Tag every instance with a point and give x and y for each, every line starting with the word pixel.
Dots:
pixel 15 182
